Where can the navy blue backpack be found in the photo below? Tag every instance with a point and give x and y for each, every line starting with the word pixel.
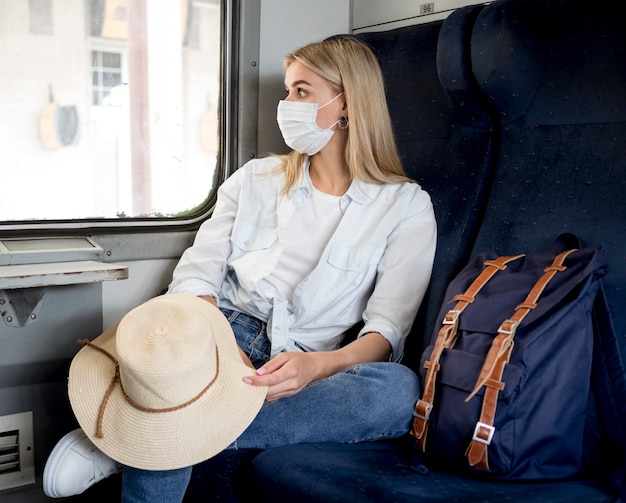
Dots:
pixel 523 379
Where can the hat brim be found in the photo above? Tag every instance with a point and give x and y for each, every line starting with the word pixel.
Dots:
pixel 170 440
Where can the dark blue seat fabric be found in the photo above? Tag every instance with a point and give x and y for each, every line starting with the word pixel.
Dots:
pixel 226 478
pixel 386 472
pixel 555 74
pixel 444 136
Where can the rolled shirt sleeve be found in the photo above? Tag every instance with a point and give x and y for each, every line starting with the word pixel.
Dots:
pixel 403 275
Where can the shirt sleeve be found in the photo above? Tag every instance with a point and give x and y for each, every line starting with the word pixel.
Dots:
pixel 403 275
pixel 202 267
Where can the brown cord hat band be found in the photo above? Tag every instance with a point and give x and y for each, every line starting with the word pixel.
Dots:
pixel 117 379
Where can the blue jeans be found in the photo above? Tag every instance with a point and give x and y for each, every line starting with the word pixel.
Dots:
pixel 354 405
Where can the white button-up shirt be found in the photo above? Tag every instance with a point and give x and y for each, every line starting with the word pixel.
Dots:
pixel 375 267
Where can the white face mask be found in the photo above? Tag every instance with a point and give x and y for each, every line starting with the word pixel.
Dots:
pixel 298 124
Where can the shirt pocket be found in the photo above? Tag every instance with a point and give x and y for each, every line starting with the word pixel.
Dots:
pixel 249 238
pixel 352 259
pixel 348 280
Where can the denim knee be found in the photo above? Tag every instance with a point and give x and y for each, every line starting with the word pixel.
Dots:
pixel 391 392
pixel 369 401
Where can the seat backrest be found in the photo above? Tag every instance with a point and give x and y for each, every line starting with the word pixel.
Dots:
pixel 444 138
pixel 554 72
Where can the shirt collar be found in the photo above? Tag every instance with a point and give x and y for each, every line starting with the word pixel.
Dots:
pixel 359 192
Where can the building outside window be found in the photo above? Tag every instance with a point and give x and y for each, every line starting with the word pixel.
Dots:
pixel 108 108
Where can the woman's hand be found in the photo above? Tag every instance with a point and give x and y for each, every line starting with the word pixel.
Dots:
pixel 287 373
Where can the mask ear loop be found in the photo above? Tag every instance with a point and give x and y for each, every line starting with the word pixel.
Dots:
pixel 329 102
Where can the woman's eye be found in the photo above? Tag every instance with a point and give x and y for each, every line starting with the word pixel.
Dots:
pixel 301 93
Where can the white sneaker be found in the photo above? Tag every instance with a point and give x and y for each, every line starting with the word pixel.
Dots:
pixel 74 465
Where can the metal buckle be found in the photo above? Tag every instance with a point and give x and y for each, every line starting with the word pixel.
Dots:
pixel 428 408
pixel 487 427
pixel 451 317
pixel 511 327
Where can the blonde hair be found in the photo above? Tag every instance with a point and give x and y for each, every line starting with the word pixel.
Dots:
pixel 350 67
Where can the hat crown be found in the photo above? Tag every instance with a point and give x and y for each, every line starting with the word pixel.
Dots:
pixel 167 353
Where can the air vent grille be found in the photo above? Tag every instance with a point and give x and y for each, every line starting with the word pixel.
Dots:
pixel 9 451
pixel 17 451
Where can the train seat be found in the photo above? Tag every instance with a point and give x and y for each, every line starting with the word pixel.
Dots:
pixel 552 77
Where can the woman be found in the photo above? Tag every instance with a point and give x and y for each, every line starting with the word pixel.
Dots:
pixel 302 247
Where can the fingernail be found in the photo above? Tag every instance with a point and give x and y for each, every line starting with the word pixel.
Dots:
pixel 247 380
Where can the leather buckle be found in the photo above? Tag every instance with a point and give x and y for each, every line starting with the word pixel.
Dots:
pixel 428 407
pixel 480 428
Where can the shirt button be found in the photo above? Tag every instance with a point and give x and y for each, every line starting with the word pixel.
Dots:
pixel 277 327
pixel 247 243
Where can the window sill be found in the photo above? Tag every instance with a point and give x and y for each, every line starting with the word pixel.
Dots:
pixel 59 273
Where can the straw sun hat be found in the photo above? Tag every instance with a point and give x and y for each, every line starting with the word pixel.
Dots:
pixel 163 388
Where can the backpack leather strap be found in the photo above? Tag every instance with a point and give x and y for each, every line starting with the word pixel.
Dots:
pixel 446 339
pixel 498 356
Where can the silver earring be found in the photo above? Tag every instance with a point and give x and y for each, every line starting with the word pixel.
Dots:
pixel 343 122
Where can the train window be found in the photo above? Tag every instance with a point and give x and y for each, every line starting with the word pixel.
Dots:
pixel 108 108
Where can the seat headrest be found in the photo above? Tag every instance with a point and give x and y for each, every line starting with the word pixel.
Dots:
pixel 554 61
pixel 454 66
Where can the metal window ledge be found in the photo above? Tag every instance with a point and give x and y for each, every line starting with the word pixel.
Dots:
pixel 29 266
pixel 59 273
